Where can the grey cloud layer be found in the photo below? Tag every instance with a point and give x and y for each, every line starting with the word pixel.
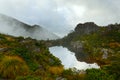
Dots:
pixel 61 16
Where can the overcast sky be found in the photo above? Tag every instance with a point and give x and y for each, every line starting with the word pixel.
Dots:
pixel 61 16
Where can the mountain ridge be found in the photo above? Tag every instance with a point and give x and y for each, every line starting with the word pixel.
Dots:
pixel 89 34
pixel 95 44
pixel 15 27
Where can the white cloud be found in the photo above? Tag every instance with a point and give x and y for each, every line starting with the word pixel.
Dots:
pixel 60 16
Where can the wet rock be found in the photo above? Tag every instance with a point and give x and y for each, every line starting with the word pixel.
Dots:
pixel 60 78
pixel 3 49
pixel 105 53
pixel 77 45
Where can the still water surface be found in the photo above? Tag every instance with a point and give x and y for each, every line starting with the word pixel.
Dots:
pixel 69 60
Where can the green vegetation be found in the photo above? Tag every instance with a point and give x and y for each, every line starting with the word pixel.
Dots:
pixel 101 46
pixel 25 59
pixel 29 59
pixel 97 74
pixel 12 66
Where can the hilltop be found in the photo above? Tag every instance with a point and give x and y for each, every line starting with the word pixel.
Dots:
pixel 93 43
pixel 14 27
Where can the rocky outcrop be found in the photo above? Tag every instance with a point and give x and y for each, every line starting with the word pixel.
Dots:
pixel 80 43
pixel 78 48
pixel 86 28
pixel 105 53
pixel 75 44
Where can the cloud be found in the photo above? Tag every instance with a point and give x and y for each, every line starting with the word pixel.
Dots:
pixel 102 12
pixel 61 16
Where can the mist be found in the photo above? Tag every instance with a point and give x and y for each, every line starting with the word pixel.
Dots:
pixel 11 26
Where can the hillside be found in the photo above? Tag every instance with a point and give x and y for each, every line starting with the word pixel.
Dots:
pixel 90 41
pixel 11 26
pixel 29 59
pixel 93 43
pixel 25 57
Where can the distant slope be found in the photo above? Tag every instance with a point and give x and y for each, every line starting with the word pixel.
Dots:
pixel 100 44
pixel 11 26
pixel 92 43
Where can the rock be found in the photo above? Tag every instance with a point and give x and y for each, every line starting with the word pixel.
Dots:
pixel 105 53
pixel 60 78
pixel 77 45
pixel 86 28
pixel 3 49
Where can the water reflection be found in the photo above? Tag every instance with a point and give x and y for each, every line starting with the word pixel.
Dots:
pixel 68 58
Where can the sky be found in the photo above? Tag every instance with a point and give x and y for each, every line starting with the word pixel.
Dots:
pixel 62 16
